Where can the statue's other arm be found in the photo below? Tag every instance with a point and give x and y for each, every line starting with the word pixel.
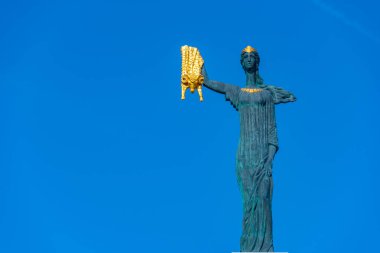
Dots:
pixel 272 145
pixel 269 161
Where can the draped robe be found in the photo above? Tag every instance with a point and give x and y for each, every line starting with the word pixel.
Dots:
pixel 257 131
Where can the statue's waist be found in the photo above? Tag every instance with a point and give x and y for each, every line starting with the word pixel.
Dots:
pixel 253 145
pixel 250 134
pixel 252 157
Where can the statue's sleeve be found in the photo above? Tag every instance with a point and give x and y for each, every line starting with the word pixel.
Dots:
pixel 280 95
pixel 232 95
pixel 230 91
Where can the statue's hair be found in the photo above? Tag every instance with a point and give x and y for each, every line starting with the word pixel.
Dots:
pixel 259 80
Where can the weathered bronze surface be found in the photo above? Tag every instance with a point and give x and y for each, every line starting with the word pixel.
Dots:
pixel 257 147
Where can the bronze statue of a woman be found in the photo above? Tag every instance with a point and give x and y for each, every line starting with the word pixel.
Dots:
pixel 257 147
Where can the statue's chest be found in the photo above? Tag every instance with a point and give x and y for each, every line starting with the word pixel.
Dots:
pixel 254 97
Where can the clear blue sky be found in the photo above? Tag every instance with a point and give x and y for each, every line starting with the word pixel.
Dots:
pixel 99 154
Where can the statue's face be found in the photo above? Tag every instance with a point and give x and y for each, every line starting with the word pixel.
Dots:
pixel 248 61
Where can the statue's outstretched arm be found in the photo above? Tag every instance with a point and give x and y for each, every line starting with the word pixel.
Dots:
pixel 215 85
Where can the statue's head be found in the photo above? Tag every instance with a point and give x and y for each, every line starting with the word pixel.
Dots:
pixel 250 59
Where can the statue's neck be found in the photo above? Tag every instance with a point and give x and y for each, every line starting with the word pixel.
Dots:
pixel 250 80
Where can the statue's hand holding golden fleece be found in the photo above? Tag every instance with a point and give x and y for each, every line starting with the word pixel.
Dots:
pixel 191 76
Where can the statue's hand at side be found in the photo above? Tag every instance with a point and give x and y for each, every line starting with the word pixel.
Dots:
pixel 268 168
pixel 269 160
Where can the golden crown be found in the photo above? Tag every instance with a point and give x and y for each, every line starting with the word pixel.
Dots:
pixel 248 49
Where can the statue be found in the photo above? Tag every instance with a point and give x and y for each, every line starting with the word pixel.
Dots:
pixel 256 150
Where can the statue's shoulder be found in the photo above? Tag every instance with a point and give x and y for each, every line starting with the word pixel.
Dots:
pixel 268 87
pixel 279 95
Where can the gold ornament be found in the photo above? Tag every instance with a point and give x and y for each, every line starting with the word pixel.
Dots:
pixel 191 77
pixel 251 90
pixel 248 49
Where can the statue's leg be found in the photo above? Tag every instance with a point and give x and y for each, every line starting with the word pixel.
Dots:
pixel 263 214
pixel 256 190
pixel 244 175
pixel 268 242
